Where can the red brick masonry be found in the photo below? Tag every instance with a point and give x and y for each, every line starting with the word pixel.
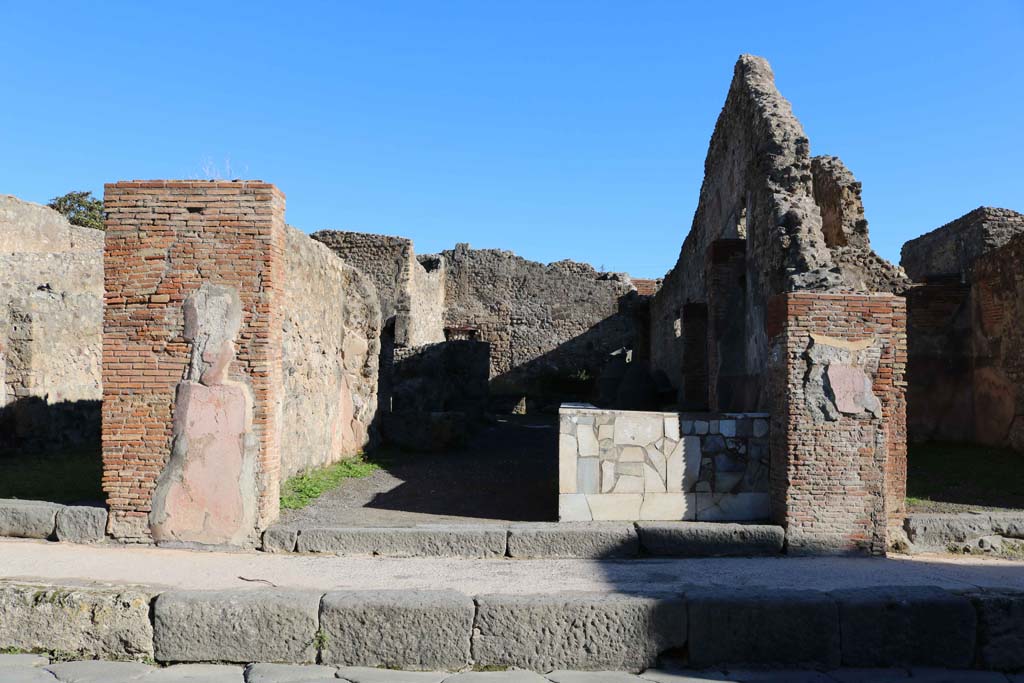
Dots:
pixel 163 239
pixel 838 485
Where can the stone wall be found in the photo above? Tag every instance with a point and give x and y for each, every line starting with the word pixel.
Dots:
pixel 330 353
pixel 964 336
pixel 51 317
pixel 544 323
pixel 192 359
pixel 953 248
pixel 631 465
pixel 838 438
pixel 411 290
pixel 799 220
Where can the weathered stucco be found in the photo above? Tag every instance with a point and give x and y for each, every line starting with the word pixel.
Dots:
pixel 51 319
pixel 330 356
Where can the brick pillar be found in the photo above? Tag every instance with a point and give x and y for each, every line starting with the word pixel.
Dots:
pixel 192 359
pixel 838 437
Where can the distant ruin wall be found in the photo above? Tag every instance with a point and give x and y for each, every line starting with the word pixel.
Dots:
pixel 51 319
pixel 408 291
pixel 544 322
pixel 330 353
pixel 965 339
pixel 953 248
pixel 838 434
pixel 762 186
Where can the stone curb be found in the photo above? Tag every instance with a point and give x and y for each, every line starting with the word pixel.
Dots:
pixel 536 540
pixel 40 519
pixel 937 530
pixel 714 626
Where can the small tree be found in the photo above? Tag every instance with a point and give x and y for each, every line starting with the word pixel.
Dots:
pixel 80 208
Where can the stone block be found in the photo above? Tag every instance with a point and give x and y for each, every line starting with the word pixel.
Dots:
pixel 277 540
pixel 763 628
pixel 290 673
pixel 566 464
pixel 667 506
pixel 1008 524
pixel 573 507
pixel 91 622
pixel 638 429
pixel 590 541
pixel 615 506
pixel 80 524
pixel 427 541
pixel 593 677
pixel 732 507
pixel 26 675
pixel 584 631
pixel 27 518
pixel 22 660
pixel 236 626
pixel 397 629
pixel 100 672
pixel 586 441
pixel 1000 630
pixel 707 539
pixel 902 626
pixel 935 531
pixel 197 673
pixel 496 677
pixel 588 475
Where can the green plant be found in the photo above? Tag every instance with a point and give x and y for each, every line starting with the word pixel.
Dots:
pixel 320 640
pixel 80 208
pixel 302 489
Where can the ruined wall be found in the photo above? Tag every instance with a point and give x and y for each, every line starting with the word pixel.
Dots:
pixel 408 291
pixel 51 317
pixel 330 353
pixel 838 436
pixel 543 322
pixel 953 248
pixel 192 359
pixel 998 346
pixel 762 186
pixel 964 338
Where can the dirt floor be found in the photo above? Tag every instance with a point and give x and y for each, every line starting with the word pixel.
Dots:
pixel 508 471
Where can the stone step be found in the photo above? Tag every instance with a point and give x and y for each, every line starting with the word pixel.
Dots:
pixel 591 540
pixel 711 626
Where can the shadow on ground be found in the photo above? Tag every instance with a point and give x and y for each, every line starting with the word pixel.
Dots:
pixel 507 471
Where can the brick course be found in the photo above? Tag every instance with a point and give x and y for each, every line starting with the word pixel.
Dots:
pixel 163 239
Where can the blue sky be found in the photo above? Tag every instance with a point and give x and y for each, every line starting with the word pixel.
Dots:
pixel 554 129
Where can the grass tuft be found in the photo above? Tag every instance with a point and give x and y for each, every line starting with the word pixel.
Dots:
pixel 303 489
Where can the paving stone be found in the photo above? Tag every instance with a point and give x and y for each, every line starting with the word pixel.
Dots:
pixel 892 626
pixel 279 540
pixel 684 676
pixel 869 675
pixel 496 677
pixel 562 676
pixel 927 675
pixel 1000 630
pixel 582 631
pixel 27 518
pixel 750 626
pixel 589 541
pixel 197 673
pixel 480 541
pixel 99 671
pixel 23 660
pixel 94 622
pixel 777 676
pixel 362 674
pixel 703 539
pixel 26 674
pixel 236 626
pixel 81 524
pixel 289 673
pixel 413 629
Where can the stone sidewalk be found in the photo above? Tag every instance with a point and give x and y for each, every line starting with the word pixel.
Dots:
pixel 30 560
pixel 38 669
